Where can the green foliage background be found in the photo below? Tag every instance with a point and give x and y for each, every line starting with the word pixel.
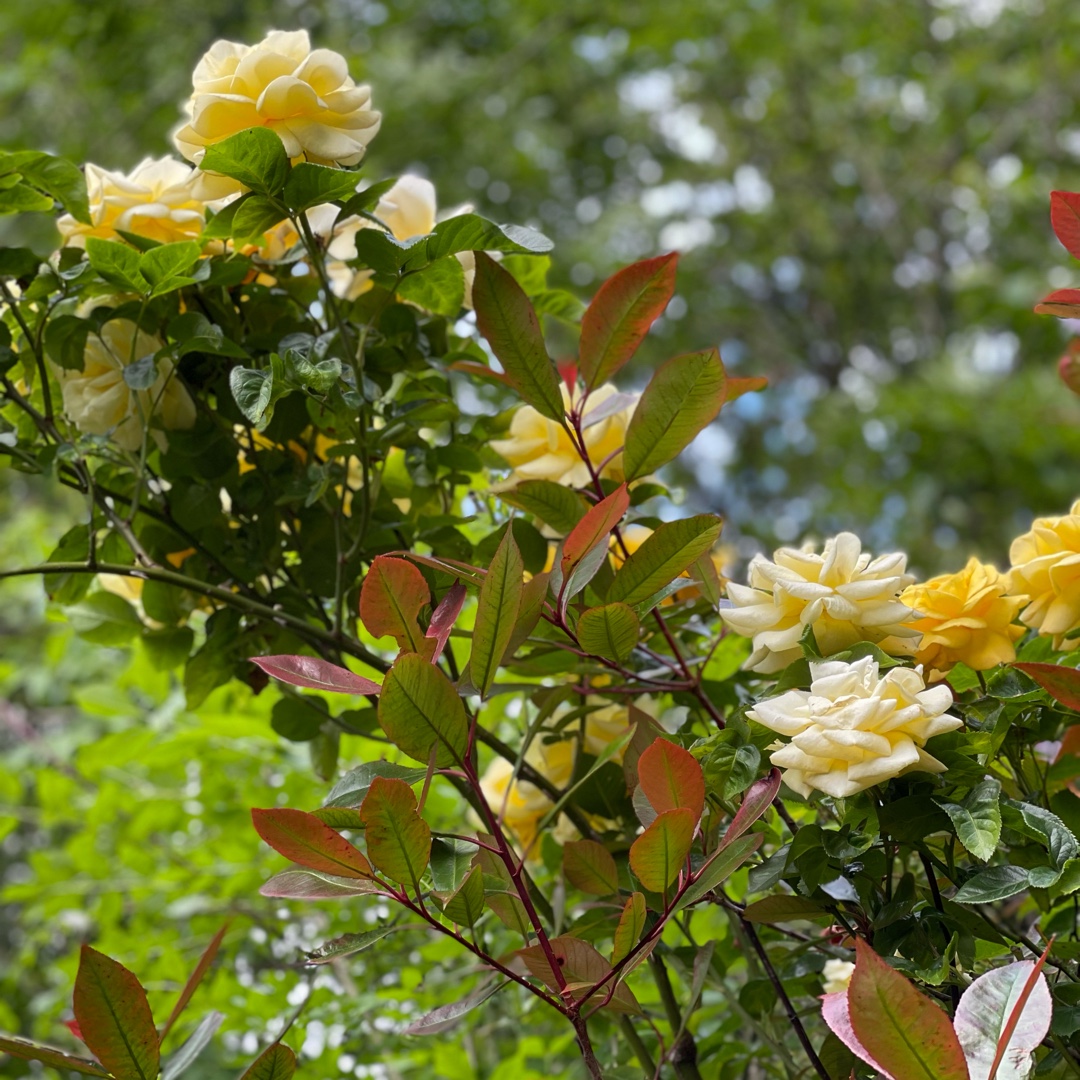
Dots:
pixel 861 190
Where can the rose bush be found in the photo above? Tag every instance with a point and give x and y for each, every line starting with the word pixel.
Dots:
pixel 322 438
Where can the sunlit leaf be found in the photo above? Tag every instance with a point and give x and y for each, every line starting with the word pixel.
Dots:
pixel 398 838
pixel 659 853
pixel 304 839
pixel 419 707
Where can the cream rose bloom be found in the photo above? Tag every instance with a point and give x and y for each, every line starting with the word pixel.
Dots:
pixel 964 618
pixel 98 401
pixel 844 593
pixel 156 199
pixel 304 96
pixel 1046 572
pixel 855 728
pixel 836 976
pixel 539 449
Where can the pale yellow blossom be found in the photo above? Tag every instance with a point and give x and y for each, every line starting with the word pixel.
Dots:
pixel 1046 572
pixel 855 728
pixel 846 594
pixel 836 976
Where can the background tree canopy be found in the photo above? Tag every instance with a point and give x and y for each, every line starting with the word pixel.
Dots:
pixel 859 192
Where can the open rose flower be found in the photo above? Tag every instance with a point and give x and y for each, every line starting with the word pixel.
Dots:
pixel 836 976
pixel 98 401
pixel 304 96
pixel 156 199
pixel 1046 572
pixel 846 594
pixel 855 728
pixel 964 618
pixel 539 449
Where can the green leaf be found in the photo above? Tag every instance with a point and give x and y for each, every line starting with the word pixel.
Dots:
pixel 590 867
pixel 54 175
pixel 304 839
pixel 354 785
pixel 610 631
pixel 349 944
pixel 58 1059
pixel 977 819
pixel 309 185
pixel 466 904
pixel 496 613
pixel 719 867
pixel 114 1017
pixel 779 909
pixel 192 1047
pixel 581 967
pixel 438 1020
pixel 438 288
pixel 660 852
pixel 631 926
pixel 451 862
pixel 65 341
pixel 299 883
pixel 905 1032
pixel 470 232
pixel 116 263
pixel 507 320
pixel 255 157
pixel 398 838
pixel 141 374
pixel 683 396
pixel 664 555
pixel 167 265
pixel 23 199
pixel 993 883
pixel 382 253
pixel 554 504
pixel 276 1062
pixel 18 262
pixel 419 708
pixel 620 315
pixel 1042 826
pixel 103 618
pixel 392 596
pixel 671 778
pixel 255 217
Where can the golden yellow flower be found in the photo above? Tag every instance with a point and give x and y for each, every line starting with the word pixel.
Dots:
pixel 156 199
pixel 304 96
pixel 1046 572
pixel 854 728
pixel 98 401
pixel 964 618
pixel 844 593
pixel 539 449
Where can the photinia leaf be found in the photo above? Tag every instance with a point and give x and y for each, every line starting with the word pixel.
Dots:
pixel 391 598
pixel 304 839
pixel 533 596
pixel 438 1020
pixel 506 903
pixel 398 838
pixel 983 1018
pixel 977 819
pixel 192 1047
pixel 1060 682
pixel 554 504
pixel 196 977
pixel 778 909
pixel 444 616
pixel 465 904
pixel 418 708
pixel 299 883
pixel 496 613
pixel 619 317
pixel 354 785
pixel 585 549
pixel 581 967
pixel 510 324
pixel 315 674
pixel 758 798
pixel 1062 303
pixel 114 1017
pixel 664 555
pixel 26 1051
pixel 349 944
pixel 610 631
pixel 836 1013
pixel 683 396
pixel 659 853
pixel 276 1062
pixel 671 777
pixel 631 926
pixel 1065 219
pixel 903 1030
pixel 451 863
pixel 590 867
pixel 719 867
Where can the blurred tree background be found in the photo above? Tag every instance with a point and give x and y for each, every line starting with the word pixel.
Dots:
pixel 860 191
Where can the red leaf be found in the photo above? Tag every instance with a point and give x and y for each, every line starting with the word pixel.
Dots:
pixel 671 777
pixel 903 1030
pixel 478 370
pixel 621 312
pixel 444 617
pixel 1064 303
pixel 756 801
pixel 836 1013
pixel 744 384
pixel 314 673
pixel 391 597
pixel 1065 219
pixel 594 528
pixel 304 839
pixel 114 1017
pixel 1060 682
pixel 1069 364
pixel 196 977
pixel 73 1027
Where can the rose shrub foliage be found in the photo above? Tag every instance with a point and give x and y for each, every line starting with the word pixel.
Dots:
pixel 325 450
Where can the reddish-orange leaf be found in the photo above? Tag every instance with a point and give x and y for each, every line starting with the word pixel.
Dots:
pixel 114 1017
pixel 304 839
pixel 316 674
pixel 444 617
pixel 1069 364
pixel 756 801
pixel 196 977
pixel 594 528
pixel 589 866
pixel 398 838
pixel 1065 219
pixel 1064 303
pixel 1060 682
pixel 391 598
pixel 905 1032
pixel 47 1055
pixel 581 967
pixel 276 1062
pixel 671 777
pixel 744 384
pixel 620 315
pixel 658 854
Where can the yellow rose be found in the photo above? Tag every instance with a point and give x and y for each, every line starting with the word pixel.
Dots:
pixel 98 401
pixel 1046 573
pixel 844 593
pixel 156 200
pixel 836 976
pixel 964 618
pixel 853 728
pixel 304 96
pixel 539 449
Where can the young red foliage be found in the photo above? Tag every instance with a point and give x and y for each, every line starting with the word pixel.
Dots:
pixel 304 839
pixel 444 617
pixel 671 777
pixel 315 674
pixel 1065 219
pixel 391 598
pixel 594 528
pixel 196 977
pixel 1063 303
pixel 1060 682
pixel 658 854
